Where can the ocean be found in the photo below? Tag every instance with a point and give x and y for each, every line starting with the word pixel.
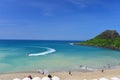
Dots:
pixel 51 55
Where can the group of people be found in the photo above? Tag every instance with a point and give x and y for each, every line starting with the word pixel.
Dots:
pixel 70 73
pixel 49 76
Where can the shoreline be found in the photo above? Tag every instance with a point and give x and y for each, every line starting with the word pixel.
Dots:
pixel 115 49
pixel 81 69
pixel 64 75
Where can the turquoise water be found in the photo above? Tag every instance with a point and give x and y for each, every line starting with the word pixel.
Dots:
pixel 14 56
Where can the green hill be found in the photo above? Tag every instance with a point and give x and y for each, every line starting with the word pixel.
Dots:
pixel 107 39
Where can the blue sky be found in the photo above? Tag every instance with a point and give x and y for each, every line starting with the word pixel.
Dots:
pixel 57 19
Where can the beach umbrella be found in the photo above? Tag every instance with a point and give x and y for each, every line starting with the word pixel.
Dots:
pixel 55 78
pixel 45 78
pixel 103 79
pixel 16 79
pixel 26 78
pixel 36 78
pixel 115 78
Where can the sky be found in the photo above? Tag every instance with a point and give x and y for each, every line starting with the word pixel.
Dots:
pixel 57 19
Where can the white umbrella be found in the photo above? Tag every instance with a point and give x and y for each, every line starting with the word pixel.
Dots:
pixel 36 78
pixel 45 78
pixel 55 78
pixel 103 79
pixel 26 78
pixel 16 79
pixel 115 78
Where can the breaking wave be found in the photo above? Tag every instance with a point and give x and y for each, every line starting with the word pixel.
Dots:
pixel 71 43
pixel 49 50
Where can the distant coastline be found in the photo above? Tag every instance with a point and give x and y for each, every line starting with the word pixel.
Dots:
pixel 107 39
pixel 76 43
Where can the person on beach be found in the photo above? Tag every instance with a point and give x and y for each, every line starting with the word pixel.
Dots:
pixel 70 73
pixel 49 76
pixel 102 70
pixel 30 76
pixel 43 73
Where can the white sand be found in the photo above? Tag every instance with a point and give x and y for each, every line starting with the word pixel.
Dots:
pixel 65 76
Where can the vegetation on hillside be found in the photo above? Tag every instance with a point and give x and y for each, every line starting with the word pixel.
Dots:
pixel 107 39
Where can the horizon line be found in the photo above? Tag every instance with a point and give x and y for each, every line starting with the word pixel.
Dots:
pixel 43 39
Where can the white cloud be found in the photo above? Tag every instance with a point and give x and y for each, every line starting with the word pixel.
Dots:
pixel 81 3
pixel 45 7
pixel 84 3
pixel 48 7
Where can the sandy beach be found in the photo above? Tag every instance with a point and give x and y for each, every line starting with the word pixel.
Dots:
pixel 65 75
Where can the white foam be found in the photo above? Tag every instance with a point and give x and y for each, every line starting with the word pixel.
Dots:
pixel 49 50
pixel 71 43
pixel 87 68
